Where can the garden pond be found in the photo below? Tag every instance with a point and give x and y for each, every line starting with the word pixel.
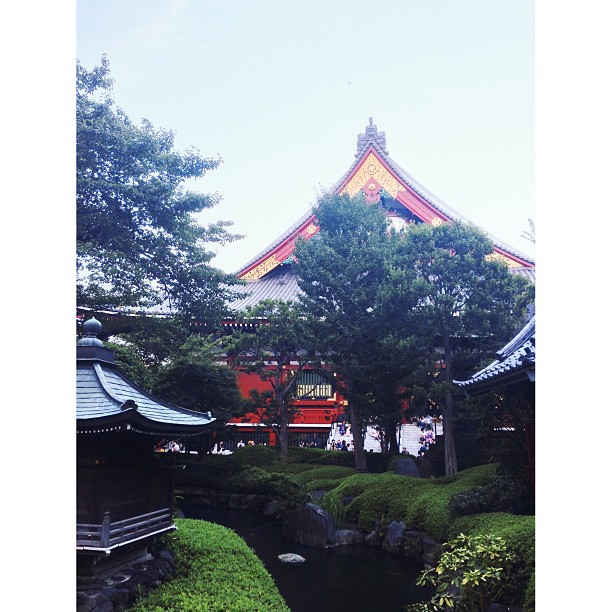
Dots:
pixel 348 578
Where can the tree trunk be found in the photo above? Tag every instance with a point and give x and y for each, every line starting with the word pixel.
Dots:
pixel 450 455
pixel 391 436
pixel 360 458
pixel 283 438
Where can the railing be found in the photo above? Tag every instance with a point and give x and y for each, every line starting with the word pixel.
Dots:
pixel 109 535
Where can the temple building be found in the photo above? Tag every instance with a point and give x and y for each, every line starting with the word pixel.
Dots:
pixel 512 374
pixel 271 274
pixel 125 490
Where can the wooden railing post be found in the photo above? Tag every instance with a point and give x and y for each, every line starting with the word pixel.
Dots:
pixel 105 531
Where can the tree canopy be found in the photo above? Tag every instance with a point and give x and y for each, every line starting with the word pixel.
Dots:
pixel 397 309
pixel 361 305
pixel 138 243
pixel 278 349
pixel 469 304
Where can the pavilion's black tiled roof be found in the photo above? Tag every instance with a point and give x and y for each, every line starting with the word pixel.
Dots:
pixel 515 362
pixel 106 399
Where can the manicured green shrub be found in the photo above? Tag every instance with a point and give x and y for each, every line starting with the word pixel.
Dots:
pixel 256 456
pixel 317 478
pixel 422 504
pixel 298 454
pixel 216 572
pixel 263 482
pixel 529 603
pixel 290 468
pixel 507 492
pixel 343 458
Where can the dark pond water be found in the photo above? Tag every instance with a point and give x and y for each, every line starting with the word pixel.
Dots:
pixel 345 578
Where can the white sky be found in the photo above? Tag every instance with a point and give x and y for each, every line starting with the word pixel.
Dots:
pixel 280 91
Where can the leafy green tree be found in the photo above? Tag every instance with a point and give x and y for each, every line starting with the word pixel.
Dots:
pixel 131 364
pixel 360 302
pixel 388 381
pixel 469 305
pixel 195 379
pixel 138 243
pixel 158 340
pixel 278 349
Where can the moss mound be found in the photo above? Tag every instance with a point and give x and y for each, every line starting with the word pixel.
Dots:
pixel 421 504
pixel 216 572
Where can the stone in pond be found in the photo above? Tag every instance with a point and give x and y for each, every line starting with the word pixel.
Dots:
pixel 291 558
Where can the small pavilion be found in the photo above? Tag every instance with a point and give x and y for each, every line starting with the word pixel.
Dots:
pixel 125 490
pixel 513 372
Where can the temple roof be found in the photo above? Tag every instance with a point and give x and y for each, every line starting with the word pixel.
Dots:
pixel 515 363
pixel 376 175
pixel 107 400
pixel 281 283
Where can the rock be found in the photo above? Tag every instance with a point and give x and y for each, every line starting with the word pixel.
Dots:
pixel 274 508
pixel 310 525
pixel 234 501
pixel 421 547
pixel 199 501
pixel 260 502
pixel 426 468
pixel 97 602
pixel 348 536
pixel 373 538
pixel 291 558
pixel 394 538
pixel 407 467
pixel 120 599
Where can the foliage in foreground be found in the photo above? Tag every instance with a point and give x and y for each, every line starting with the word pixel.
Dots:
pixel 470 574
pixel 216 572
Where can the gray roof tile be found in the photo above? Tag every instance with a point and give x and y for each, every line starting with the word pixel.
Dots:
pixel 516 360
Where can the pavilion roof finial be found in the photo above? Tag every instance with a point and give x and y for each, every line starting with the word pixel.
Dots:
pixel 371 135
pixel 92 327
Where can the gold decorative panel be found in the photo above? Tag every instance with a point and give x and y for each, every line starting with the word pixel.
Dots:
pixel 499 257
pixel 371 168
pixel 263 268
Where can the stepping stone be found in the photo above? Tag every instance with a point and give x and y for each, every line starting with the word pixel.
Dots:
pixel 291 558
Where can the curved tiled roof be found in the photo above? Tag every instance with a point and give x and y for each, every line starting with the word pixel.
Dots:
pixel 515 362
pixel 286 234
pixel 281 283
pixel 106 399
pixel 375 141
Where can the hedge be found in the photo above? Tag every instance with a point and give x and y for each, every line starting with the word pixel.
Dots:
pixel 216 572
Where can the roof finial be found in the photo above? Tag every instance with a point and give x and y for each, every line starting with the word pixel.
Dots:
pixel 372 135
pixel 92 327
